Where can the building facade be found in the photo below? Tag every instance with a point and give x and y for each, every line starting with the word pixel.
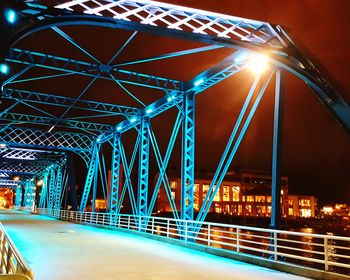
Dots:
pixel 242 194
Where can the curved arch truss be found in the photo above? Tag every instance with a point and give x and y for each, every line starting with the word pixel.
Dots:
pixel 85 136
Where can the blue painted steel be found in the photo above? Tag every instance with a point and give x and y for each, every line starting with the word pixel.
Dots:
pixel 18 200
pixel 58 189
pixel 74 103
pixel 25 118
pixel 127 172
pixel 92 170
pixel 92 70
pixel 187 160
pixel 29 194
pixel 142 198
pixel 232 147
pixel 34 138
pixel 51 193
pixel 276 152
pixel 44 192
pixel 115 175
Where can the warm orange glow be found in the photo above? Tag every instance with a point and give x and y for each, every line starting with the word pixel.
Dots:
pixel 16 178
pixel 258 63
pixel 40 183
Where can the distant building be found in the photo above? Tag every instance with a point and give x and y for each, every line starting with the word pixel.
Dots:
pixel 302 206
pixel 340 210
pixel 241 194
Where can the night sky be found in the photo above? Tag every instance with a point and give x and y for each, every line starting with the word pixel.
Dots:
pixel 316 150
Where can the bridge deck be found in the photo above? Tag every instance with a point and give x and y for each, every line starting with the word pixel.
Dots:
pixel 59 250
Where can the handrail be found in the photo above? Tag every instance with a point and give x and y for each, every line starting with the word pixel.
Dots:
pixel 12 263
pixel 317 251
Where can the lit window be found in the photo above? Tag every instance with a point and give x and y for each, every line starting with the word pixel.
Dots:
pixel 173 184
pixel 260 198
pixel 268 198
pixel 226 193
pixel 250 198
pixel 173 195
pixel 304 202
pixel 305 213
pixel 235 193
pixel 205 190
pixel 248 209
pixel 243 198
pixel 290 212
pixel 217 195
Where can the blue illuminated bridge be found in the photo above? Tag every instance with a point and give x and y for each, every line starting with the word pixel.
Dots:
pixel 104 92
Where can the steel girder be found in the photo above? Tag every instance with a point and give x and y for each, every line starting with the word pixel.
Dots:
pixel 233 144
pixel 225 69
pixel 142 198
pixel 115 175
pixel 187 156
pixel 34 138
pixel 58 189
pixel 92 173
pixel 68 102
pixel 25 118
pixel 18 199
pixel 21 154
pixel 88 69
pixel 196 25
pixel 29 194
pixel 14 167
pixel 52 181
pixel 44 192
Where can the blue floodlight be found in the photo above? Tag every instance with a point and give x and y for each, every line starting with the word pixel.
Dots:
pixel 98 139
pixel 133 120
pixel 198 82
pixel 149 111
pixel 4 69
pixel 11 16
pixel 170 98
pixel 119 128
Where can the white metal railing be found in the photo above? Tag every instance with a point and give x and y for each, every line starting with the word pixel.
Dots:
pixel 323 252
pixel 11 260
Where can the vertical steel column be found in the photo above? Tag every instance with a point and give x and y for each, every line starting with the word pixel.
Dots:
pixel 42 202
pixel 51 188
pixel 276 152
pixel 18 201
pixel 142 199
pixel 59 186
pixel 93 168
pixel 115 175
pixel 187 160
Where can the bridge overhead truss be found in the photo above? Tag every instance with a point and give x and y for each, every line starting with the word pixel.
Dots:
pixel 25 136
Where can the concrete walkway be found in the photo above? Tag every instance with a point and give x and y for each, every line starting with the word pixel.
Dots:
pixel 59 250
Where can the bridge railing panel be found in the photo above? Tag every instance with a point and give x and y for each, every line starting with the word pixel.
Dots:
pixel 12 262
pixel 317 251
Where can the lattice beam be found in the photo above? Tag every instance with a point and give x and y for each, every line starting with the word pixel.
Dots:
pixel 89 69
pixel 25 118
pixel 142 198
pixel 187 160
pixel 115 175
pixel 34 138
pixel 74 103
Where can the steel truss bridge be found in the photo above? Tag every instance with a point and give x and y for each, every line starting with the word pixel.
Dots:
pixel 37 143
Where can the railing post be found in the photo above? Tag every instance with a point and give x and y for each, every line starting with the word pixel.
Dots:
pixel 139 227
pixel 119 221
pixel 209 235
pixel 237 239
pixel 128 222
pixel 275 245
pixel 152 230
pixel 186 224
pixel 326 254
pixel 167 228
